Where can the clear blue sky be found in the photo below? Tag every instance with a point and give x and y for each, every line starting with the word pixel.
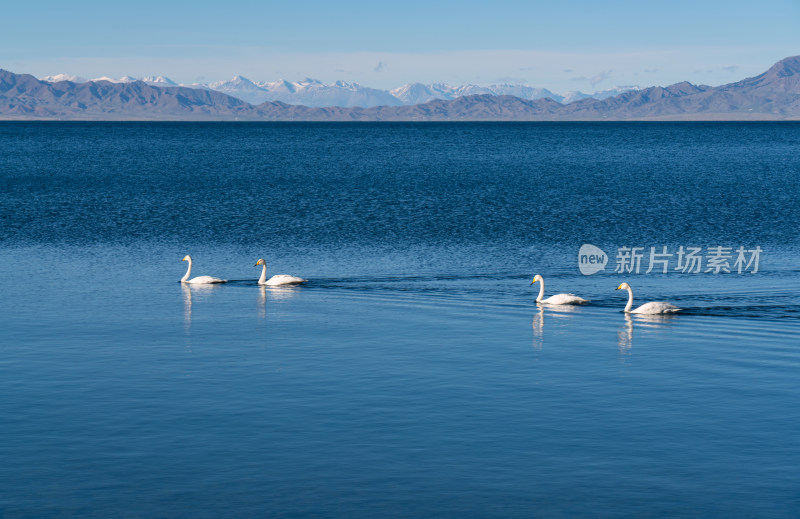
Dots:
pixel 560 45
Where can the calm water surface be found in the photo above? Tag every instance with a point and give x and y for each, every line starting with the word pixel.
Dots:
pixel 413 376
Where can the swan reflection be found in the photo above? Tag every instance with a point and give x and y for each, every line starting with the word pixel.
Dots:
pixel 277 293
pixel 274 293
pixel 655 320
pixel 190 293
pixel 625 335
pixel 538 327
pixel 187 306
pixel 643 321
pixel 563 310
pixel 553 312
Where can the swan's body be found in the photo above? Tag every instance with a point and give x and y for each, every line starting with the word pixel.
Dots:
pixel 654 307
pixel 278 279
pixel 199 280
pixel 558 299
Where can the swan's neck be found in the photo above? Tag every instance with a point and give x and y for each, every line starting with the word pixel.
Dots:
pixel 630 300
pixel 263 278
pixel 541 290
pixel 188 272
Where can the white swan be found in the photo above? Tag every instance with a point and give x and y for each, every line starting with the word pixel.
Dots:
pixel 200 280
pixel 654 307
pixel 558 299
pixel 278 279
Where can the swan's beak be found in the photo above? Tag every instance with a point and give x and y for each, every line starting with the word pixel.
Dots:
pixel 619 287
pixel 532 282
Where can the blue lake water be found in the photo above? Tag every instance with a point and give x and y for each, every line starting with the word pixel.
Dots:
pixel 413 375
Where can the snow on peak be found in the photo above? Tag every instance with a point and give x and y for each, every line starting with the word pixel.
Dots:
pixel 236 82
pixel 152 80
pixel 124 79
pixel 315 93
pixel 63 77
pixel 159 81
pixel 280 85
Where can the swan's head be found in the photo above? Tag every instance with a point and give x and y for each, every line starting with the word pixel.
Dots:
pixel 260 262
pixel 624 286
pixel 536 278
pixel 187 258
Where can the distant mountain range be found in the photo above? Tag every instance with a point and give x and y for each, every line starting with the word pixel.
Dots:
pixel 773 95
pixel 315 93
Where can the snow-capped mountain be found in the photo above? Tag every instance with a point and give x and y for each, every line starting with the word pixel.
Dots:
pixel 279 87
pixel 769 96
pixel 238 86
pixel 123 79
pixel 63 77
pixel 311 92
pixel 150 80
pixel 308 92
pixel 315 93
pixel 416 93
pixel 159 81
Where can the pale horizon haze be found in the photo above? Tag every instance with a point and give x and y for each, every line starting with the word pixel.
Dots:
pixel 567 46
